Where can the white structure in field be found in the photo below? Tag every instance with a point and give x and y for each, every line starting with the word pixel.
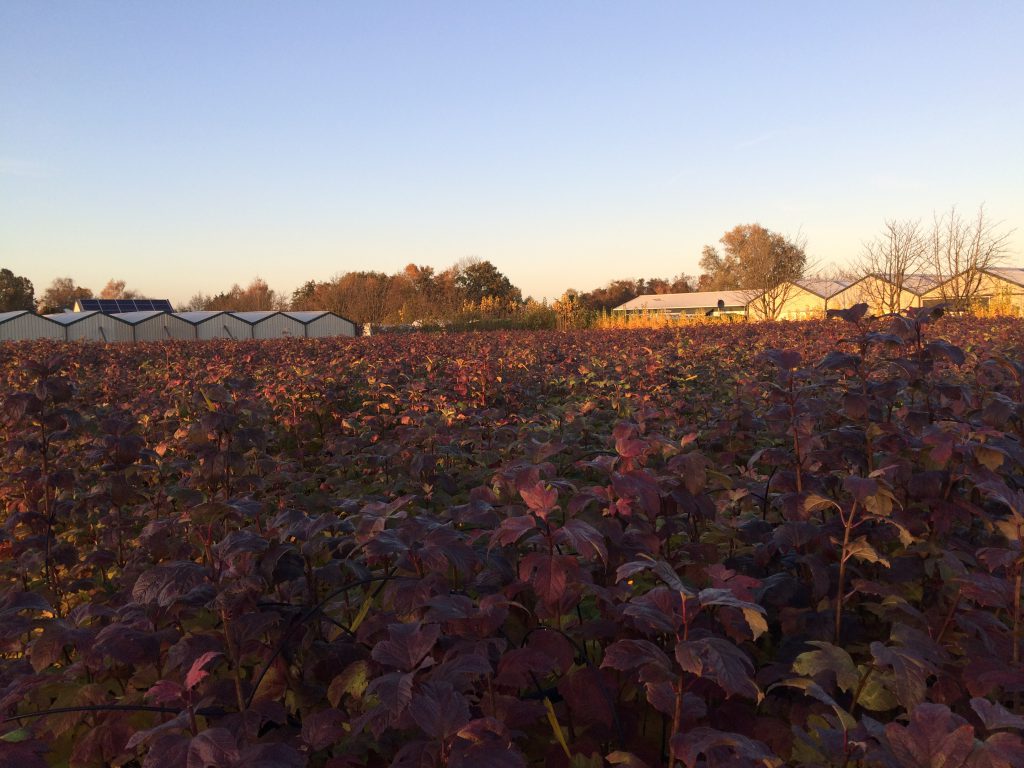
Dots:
pixel 211 324
pixel 271 325
pixel 92 326
pixel 688 304
pixel 23 325
pixel 156 326
pixel 321 324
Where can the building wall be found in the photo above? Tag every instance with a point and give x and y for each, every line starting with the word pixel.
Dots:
pixel 89 329
pixel 278 327
pixel 330 325
pixel 800 304
pixel 994 294
pixel 223 326
pixel 28 327
pixel 869 291
pixel 162 328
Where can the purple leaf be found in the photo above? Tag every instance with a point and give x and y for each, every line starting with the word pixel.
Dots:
pixel 718 660
pixel 406 645
pixel 511 529
pixel 720 748
pixel 439 710
pixel 583 538
pixel 165 583
pixel 271 756
pixel 995 716
pixel 213 748
pixel 629 654
pixel 324 728
pixel 935 738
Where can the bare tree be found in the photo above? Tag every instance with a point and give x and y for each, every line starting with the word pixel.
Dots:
pixel 961 249
pixel 899 251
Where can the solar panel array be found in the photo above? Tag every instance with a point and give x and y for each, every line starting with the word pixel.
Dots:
pixel 112 306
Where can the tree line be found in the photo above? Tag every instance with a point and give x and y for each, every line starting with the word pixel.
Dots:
pixel 953 250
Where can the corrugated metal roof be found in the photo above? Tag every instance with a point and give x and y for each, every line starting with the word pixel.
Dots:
pixel 823 287
pixel 698 300
pixel 253 317
pixel 306 317
pixel 5 316
pixel 920 283
pixel 67 318
pixel 198 316
pixel 136 317
pixel 1010 274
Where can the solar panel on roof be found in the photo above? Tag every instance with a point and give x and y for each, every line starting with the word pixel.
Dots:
pixel 113 306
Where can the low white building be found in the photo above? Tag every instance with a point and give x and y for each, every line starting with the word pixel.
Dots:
pixel 322 324
pixel 22 325
pixel 272 325
pixel 156 326
pixel 210 324
pixel 93 326
pixel 688 304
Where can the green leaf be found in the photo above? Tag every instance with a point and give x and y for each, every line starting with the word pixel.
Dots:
pixel 862 550
pixel 828 658
pixel 877 695
pixel 352 681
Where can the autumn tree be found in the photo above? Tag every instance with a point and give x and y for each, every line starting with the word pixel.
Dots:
pixel 960 249
pixel 61 295
pixel 255 297
pixel 761 263
pixel 115 289
pixel 481 279
pixel 719 271
pixel 16 292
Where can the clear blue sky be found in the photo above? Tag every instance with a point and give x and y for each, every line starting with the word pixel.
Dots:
pixel 185 146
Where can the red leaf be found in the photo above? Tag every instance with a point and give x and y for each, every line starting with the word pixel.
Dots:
pixel 546 573
pixel 196 673
pixel 539 499
pixel 582 537
pixel 511 529
pixel 165 692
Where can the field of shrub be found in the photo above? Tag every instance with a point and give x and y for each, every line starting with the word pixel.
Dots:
pixel 726 545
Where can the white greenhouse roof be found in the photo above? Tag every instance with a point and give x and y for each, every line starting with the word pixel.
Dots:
pixel 67 318
pixel 306 317
pixel 919 284
pixel 198 316
pixel 700 300
pixel 253 317
pixel 823 287
pixel 1010 274
pixel 136 317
